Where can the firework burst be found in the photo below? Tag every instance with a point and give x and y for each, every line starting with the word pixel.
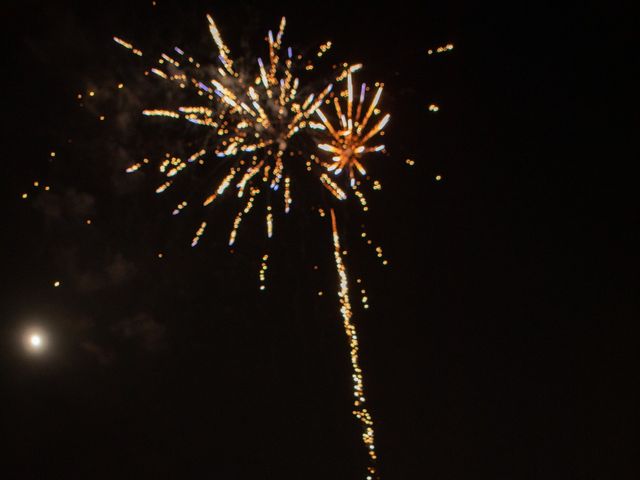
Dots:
pixel 349 140
pixel 253 116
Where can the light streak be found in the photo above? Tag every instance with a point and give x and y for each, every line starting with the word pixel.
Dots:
pixel 359 402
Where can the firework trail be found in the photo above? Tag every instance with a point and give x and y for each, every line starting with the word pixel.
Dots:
pixel 360 412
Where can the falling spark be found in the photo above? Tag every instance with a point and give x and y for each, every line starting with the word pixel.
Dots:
pixel 199 234
pixel 445 48
pixel 269 222
pixel 287 195
pixel 127 45
pixel 360 411
pixel 263 271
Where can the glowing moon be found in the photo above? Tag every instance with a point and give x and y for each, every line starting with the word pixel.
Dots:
pixel 35 340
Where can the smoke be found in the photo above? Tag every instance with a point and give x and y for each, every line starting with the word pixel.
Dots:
pixel 143 328
pixel 67 205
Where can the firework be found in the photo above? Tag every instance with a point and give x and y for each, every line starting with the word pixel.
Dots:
pixel 348 142
pixel 254 117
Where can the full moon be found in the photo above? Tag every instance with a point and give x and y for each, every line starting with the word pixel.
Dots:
pixel 35 340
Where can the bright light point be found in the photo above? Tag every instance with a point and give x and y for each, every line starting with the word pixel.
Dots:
pixel 56 283
pixel 34 340
pixel 438 178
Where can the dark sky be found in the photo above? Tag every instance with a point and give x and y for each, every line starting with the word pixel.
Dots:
pixel 500 342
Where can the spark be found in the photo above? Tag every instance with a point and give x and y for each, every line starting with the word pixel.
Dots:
pixel 133 168
pixel 199 234
pixel 442 49
pixel 263 271
pixel 127 45
pixel 269 222
pixel 362 199
pixel 287 195
pixel 160 113
pixel 335 190
pixel 360 411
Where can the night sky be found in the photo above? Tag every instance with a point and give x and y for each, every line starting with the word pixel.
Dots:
pixel 500 341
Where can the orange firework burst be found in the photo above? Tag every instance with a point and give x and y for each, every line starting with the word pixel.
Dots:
pixel 349 141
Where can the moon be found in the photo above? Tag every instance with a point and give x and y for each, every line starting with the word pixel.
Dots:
pixel 35 340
